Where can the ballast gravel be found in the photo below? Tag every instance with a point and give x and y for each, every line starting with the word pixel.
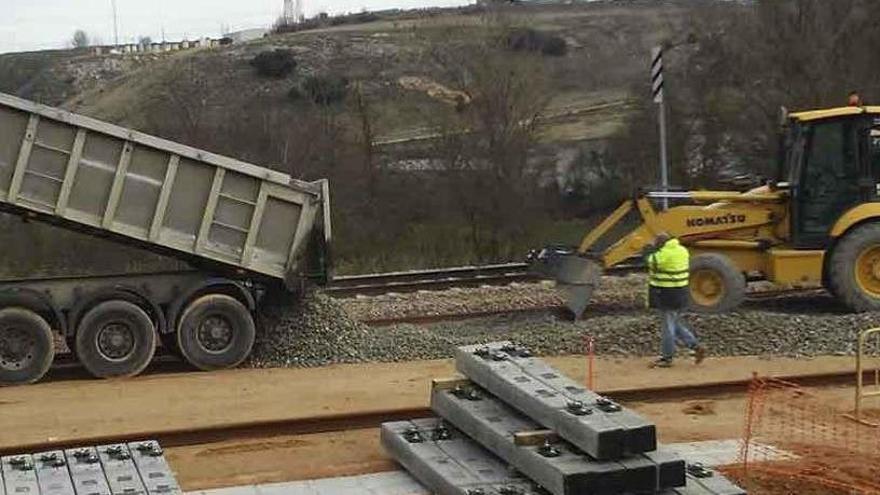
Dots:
pixel 318 330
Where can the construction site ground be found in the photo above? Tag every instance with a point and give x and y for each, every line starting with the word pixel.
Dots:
pixel 64 410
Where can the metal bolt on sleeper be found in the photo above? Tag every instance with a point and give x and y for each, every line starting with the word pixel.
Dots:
pixel 578 408
pixel 548 450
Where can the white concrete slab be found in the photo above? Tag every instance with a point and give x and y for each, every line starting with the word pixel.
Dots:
pixel 723 452
pixel 390 483
pixel 711 453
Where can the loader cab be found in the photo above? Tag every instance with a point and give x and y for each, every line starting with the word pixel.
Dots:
pixel 833 163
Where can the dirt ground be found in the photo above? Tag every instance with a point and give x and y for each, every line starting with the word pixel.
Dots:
pixel 359 452
pixel 81 408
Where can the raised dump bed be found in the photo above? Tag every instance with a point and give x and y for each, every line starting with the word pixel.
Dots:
pixel 246 229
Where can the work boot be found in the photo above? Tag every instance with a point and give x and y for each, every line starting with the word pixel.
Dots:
pixel 699 354
pixel 662 362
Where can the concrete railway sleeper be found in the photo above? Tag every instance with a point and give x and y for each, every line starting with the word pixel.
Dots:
pixel 113 325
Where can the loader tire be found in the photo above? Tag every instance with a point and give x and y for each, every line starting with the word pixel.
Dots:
pixel 115 339
pixel 716 284
pixel 216 332
pixel 854 269
pixel 26 346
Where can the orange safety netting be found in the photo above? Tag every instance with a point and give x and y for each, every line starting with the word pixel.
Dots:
pixel 794 437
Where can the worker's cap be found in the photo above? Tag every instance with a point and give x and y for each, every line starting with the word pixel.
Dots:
pixel 661 238
pixel 854 99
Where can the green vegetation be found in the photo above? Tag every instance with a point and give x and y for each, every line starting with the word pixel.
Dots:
pixel 438 245
pixel 35 75
pixel 276 63
pixel 527 39
pixel 323 89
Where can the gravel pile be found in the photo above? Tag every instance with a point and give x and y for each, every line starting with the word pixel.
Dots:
pixel 314 331
pixel 636 334
pixel 613 293
pixel 318 330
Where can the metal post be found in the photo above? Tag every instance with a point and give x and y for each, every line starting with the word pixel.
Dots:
pixel 115 25
pixel 664 164
pixel 657 92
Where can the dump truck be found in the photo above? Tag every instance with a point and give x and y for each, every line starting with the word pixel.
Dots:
pixel 241 232
pixel 818 222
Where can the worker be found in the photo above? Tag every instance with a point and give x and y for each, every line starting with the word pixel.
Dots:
pixel 668 273
pixel 854 99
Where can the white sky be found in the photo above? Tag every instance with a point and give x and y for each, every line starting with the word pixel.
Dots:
pixel 27 25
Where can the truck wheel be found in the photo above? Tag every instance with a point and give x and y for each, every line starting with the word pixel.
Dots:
pixel 854 269
pixel 716 284
pixel 216 332
pixel 115 339
pixel 26 346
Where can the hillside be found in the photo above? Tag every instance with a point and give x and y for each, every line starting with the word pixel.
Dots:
pixel 213 98
pixel 607 51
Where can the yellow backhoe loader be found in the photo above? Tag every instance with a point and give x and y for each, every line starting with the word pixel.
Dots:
pixel 818 222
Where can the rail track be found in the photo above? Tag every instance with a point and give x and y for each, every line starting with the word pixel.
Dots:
pixel 556 309
pixel 411 281
pixel 445 278
pixel 474 276
pixel 66 366
pixel 372 419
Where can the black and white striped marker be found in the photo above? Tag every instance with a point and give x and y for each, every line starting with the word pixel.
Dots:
pixel 657 74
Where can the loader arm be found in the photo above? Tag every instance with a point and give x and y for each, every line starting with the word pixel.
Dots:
pixel 711 219
pixel 712 216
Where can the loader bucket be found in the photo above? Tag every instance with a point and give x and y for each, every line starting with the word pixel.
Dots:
pixel 576 276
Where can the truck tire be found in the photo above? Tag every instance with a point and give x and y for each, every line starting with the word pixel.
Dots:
pixel 216 332
pixel 26 346
pixel 115 339
pixel 854 269
pixel 716 284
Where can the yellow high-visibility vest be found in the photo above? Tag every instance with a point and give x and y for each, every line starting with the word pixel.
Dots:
pixel 669 266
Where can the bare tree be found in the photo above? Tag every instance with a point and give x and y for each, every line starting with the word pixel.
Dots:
pixel 365 118
pixel 80 39
pixel 485 144
pixel 746 64
pixel 182 110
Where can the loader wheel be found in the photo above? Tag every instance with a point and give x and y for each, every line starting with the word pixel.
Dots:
pixel 26 346
pixel 716 284
pixel 854 269
pixel 115 339
pixel 216 332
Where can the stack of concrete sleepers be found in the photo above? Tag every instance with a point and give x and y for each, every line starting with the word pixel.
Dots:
pixel 137 468
pixel 546 432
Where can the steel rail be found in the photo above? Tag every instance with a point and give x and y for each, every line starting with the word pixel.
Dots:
pixel 541 309
pixel 372 419
pixel 437 279
pixel 469 276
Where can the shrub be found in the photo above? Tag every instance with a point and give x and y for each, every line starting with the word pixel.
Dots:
pixel 536 41
pixel 295 93
pixel 277 63
pixel 325 89
pixel 524 40
pixel 555 46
